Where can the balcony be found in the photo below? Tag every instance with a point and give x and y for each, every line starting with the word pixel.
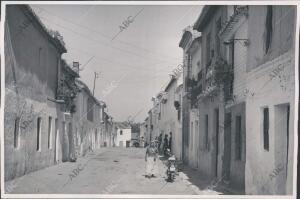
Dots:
pixel 209 91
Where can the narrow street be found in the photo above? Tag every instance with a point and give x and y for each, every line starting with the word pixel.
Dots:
pixel 88 86
pixel 106 171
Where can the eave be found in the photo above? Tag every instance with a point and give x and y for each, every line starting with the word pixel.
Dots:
pixel 205 16
pixel 234 21
pixel 31 14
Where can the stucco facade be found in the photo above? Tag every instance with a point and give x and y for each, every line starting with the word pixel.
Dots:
pixel 236 33
pixel 271 78
pixel 204 145
pixel 47 119
pixel 31 114
pixel 87 121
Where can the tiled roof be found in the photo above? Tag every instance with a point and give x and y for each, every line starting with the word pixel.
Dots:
pixel 122 125
pixel 82 85
pixel 205 17
pixel 55 41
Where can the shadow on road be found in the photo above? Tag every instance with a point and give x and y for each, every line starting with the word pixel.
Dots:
pixel 194 177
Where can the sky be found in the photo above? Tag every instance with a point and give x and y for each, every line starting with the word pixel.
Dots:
pixel 133 64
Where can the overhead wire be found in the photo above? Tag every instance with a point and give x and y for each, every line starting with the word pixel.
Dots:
pixel 104 35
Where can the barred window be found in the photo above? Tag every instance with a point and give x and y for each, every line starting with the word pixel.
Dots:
pixel 238 137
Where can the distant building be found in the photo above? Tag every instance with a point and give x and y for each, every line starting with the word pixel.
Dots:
pixel 123 132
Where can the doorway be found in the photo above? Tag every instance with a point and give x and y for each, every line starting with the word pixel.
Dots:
pixel 216 114
pixel 227 147
pixel 127 143
pixel 282 135
pixel 56 153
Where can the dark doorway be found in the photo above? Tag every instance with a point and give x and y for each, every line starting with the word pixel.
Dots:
pixel 217 140
pixel 56 145
pixel 282 135
pixel 227 147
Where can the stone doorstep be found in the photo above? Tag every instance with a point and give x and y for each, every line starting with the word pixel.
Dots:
pixel 229 190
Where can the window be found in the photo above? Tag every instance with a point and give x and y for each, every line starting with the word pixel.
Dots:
pixel 17 133
pixel 50 133
pixel 206 132
pixel 38 136
pixel 269 28
pixel 238 138
pixel 208 50
pixel 121 132
pixel 266 128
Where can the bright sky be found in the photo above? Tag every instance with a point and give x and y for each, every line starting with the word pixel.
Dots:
pixel 135 65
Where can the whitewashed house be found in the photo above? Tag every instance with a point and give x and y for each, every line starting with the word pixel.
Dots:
pixel 123 132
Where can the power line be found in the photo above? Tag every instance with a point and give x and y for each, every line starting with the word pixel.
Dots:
pixel 82 67
pixel 104 35
pixel 116 63
pixel 88 37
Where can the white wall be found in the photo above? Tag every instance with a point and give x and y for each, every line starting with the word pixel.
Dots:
pixel 268 93
pixel 126 136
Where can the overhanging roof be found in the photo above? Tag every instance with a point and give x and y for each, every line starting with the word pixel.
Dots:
pixel 205 16
pixel 188 37
pixel 82 85
pixel 31 14
pixel 172 80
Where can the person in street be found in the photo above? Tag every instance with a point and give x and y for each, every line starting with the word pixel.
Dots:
pixel 159 143
pixel 151 160
pixel 166 143
pixel 156 142
pixel 170 142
